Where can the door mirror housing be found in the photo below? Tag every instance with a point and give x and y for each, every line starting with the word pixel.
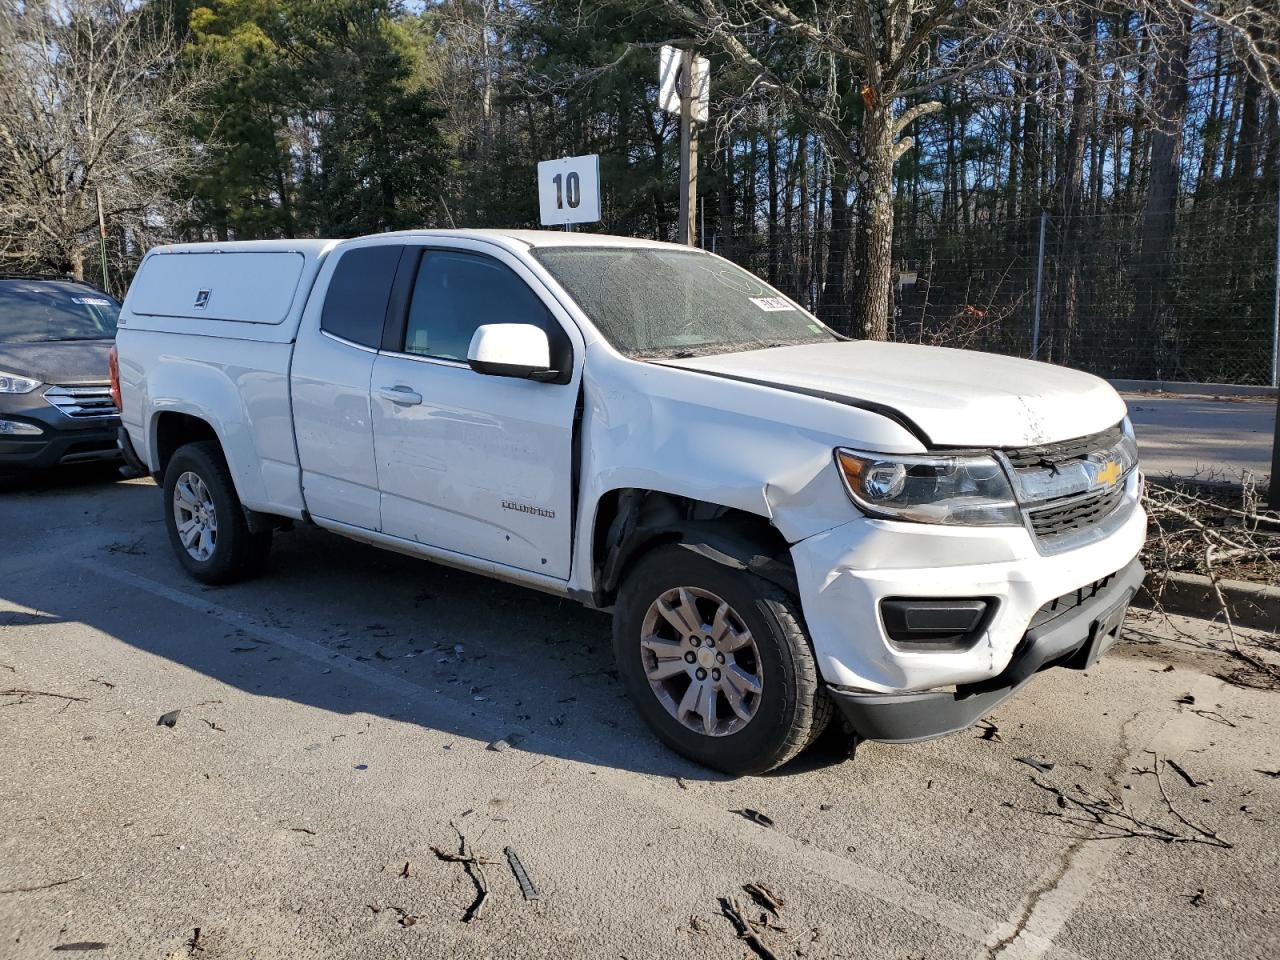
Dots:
pixel 519 350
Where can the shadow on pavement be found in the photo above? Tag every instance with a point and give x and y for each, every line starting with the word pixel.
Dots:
pixel 459 653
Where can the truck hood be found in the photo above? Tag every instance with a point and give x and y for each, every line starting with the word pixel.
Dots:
pixel 956 397
pixel 66 362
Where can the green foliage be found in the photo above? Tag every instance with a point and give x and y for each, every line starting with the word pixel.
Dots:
pixel 319 126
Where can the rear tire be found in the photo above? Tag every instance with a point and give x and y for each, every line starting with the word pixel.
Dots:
pixel 735 727
pixel 205 519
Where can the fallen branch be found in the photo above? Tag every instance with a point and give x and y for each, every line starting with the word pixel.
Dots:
pixel 474 866
pixel 43 886
pixel 17 692
pixel 744 928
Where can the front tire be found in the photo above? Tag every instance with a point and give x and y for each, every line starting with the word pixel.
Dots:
pixel 205 519
pixel 718 662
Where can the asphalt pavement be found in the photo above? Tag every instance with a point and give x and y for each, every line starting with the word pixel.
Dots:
pixel 1211 438
pixel 334 727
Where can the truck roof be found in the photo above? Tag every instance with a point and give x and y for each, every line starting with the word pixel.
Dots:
pixel 514 239
pixel 540 238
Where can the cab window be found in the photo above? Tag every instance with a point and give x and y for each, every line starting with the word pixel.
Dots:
pixel 355 305
pixel 456 292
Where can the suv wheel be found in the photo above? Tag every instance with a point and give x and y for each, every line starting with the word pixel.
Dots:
pixel 205 520
pixel 718 662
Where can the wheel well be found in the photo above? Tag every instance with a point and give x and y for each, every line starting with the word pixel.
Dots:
pixel 630 522
pixel 174 430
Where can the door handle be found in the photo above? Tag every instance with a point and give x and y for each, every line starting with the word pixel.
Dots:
pixel 401 394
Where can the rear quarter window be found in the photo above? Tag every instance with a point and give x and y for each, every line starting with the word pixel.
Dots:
pixel 355 305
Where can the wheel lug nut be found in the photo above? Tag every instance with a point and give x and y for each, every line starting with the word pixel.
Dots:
pixel 696 641
pixel 689 657
pixel 719 658
pixel 710 642
pixel 715 674
pixel 701 674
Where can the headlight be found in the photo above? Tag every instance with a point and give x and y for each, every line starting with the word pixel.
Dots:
pixel 12 383
pixel 959 490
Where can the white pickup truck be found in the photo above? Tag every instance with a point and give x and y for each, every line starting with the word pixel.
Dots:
pixel 783 522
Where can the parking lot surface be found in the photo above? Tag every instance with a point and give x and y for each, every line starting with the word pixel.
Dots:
pixel 333 726
pixel 1213 438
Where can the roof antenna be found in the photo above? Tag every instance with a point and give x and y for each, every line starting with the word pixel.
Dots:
pixel 447 213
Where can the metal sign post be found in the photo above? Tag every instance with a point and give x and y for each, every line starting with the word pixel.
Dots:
pixel 684 88
pixel 102 243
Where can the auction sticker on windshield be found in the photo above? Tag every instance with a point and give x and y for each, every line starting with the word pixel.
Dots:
pixel 771 304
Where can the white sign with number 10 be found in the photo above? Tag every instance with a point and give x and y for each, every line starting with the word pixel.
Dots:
pixel 569 190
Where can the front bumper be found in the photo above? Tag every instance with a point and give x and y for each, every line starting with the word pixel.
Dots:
pixel 1073 639
pixel 62 440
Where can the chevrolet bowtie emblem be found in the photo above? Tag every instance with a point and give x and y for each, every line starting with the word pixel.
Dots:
pixel 1107 475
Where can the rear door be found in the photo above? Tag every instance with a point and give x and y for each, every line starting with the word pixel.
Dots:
pixel 329 382
pixel 480 465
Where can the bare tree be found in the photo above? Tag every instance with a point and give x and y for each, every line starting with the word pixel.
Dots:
pixel 93 101
pixel 860 73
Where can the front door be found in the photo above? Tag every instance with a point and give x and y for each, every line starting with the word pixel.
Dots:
pixel 479 465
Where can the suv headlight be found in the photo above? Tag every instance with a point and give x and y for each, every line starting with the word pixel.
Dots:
pixel 962 490
pixel 12 383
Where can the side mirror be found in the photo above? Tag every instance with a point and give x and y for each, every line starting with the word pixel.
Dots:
pixel 519 350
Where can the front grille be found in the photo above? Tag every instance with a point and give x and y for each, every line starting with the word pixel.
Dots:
pixel 83 403
pixel 1061 485
pixel 1056 454
pixel 1059 518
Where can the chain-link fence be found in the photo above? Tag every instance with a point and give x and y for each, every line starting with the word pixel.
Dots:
pixel 1117 294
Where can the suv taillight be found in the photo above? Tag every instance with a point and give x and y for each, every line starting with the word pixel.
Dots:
pixel 113 367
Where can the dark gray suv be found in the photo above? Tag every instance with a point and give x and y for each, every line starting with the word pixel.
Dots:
pixel 55 395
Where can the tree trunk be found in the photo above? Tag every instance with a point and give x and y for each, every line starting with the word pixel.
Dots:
pixel 1072 193
pixel 1159 214
pixel 874 250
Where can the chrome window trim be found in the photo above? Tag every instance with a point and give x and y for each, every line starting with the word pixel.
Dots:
pixel 345 342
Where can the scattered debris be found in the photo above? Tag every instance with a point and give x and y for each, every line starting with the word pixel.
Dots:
pixel 131 549
pixel 1215 716
pixel 1185 698
pixel 745 928
pixel 681 784
pixel 169 719
pixel 213 726
pixel 1107 818
pixel 1042 766
pixel 361 766
pixel 244 649
pixel 374 907
pixel 475 870
pixel 504 743
pixel 81 945
pixel 306 830
pixel 755 816
pixel 1197 899
pixel 404 873
pixel 42 886
pixel 10 667
pixel 695 925
pixel 990 732
pixel 106 683
pixel 20 692
pixel 408 920
pixel 764 896
pixel 827 806
pixel 1177 768
pixel 527 889
pixel 1268 773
